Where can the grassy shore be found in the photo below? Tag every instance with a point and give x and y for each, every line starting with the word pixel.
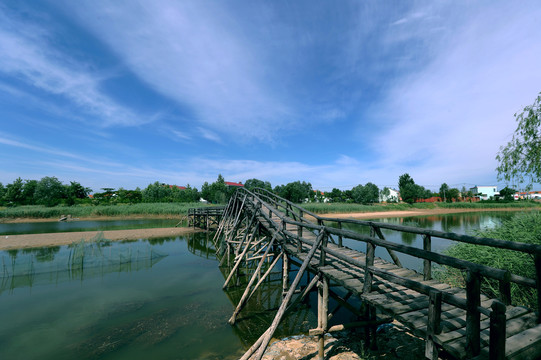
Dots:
pixel 86 211
pixel 176 209
pixel 340 208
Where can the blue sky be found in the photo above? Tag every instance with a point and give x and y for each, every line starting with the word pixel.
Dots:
pixel 125 93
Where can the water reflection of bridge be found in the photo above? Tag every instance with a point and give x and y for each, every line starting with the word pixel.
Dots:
pixel 260 230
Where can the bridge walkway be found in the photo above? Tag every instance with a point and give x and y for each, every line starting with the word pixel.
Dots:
pixel 459 322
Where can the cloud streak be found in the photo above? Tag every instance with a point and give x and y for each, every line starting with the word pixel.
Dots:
pixel 189 52
pixel 28 54
pixel 451 116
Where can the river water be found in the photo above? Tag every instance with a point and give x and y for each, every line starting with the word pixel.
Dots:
pixel 158 299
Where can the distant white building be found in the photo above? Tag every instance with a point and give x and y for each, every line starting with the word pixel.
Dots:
pixel 485 192
pixel 393 196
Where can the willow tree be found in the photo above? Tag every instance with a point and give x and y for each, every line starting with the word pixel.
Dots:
pixel 521 157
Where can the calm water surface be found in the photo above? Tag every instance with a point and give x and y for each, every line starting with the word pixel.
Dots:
pixel 158 299
pixel 461 223
pixel 93 225
pixel 154 299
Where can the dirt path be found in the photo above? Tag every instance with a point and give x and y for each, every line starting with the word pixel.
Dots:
pixel 8 242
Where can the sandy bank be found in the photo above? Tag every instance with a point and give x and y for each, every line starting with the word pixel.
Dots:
pixel 416 212
pixel 8 242
pixel 39 240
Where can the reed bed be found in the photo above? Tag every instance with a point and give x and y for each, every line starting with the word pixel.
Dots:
pixel 43 212
pixel 329 208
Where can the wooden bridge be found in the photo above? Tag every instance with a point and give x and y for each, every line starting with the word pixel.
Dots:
pixel 259 230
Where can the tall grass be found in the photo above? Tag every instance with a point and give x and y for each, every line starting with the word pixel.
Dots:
pixel 42 212
pixel 329 208
pixel 490 205
pixel 523 227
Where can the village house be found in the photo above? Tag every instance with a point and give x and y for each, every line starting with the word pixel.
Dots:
pixel 527 195
pixel 485 192
pixel 393 196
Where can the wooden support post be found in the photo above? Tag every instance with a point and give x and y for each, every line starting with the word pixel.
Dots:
pixel 257 274
pixel 285 273
pixel 323 304
pixel 427 264
pixel 323 245
pixel 239 259
pixel 537 261
pixel 505 289
pixel 473 317
pixel 497 331
pixel 433 325
pixel 369 314
pixel 340 236
pixel 370 251
pixel 263 341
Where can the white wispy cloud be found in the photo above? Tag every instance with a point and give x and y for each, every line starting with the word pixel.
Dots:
pixel 447 120
pixel 191 52
pixel 28 53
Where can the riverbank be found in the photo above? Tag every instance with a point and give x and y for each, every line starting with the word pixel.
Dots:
pixel 9 242
pixel 417 212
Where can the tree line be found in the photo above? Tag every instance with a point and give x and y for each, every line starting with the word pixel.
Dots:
pixel 50 191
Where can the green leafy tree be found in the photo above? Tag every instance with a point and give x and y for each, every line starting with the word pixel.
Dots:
pixel 366 194
pixel 29 188
pixel 129 196
pixel 507 193
pixel 217 192
pixel 336 195
pixel 14 192
pixel 49 191
pixel 453 194
pixel 191 194
pixel 157 192
pixel 106 197
pixel 444 191
pixel 205 191
pixel 296 191
pixel 521 157
pixel 408 189
pixel 2 194
pixel 76 191
pixel 256 183
pixel 357 193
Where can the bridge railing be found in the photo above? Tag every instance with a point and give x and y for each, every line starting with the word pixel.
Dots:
pixel 294 214
pixel 290 213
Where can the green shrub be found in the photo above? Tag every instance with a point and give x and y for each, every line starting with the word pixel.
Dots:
pixel 523 227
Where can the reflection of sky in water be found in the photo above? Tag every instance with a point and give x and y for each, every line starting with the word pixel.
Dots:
pixel 132 300
pixel 145 299
pixel 90 225
pixel 460 223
